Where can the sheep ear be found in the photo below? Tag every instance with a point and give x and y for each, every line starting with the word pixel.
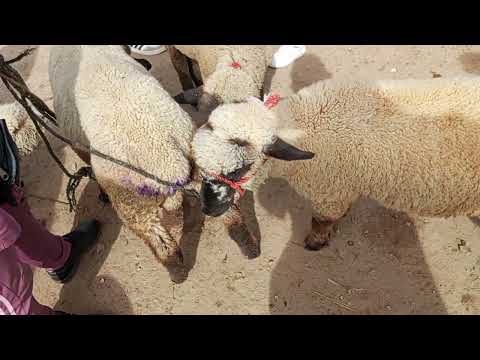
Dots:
pixel 281 150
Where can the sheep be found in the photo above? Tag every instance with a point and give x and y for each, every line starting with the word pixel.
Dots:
pixel 230 73
pixel 104 99
pixel 20 127
pixel 411 145
pixel 231 153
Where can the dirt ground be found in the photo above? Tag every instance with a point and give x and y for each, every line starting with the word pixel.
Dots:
pixel 378 262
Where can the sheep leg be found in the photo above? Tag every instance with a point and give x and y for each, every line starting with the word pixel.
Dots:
pixel 322 224
pixel 320 234
pixel 163 228
pixel 157 221
pixel 160 239
pixel 181 65
pixel 238 230
pixel 195 73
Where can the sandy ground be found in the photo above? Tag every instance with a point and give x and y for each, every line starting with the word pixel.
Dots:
pixel 378 262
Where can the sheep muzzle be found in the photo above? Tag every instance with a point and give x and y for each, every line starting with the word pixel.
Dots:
pixel 216 197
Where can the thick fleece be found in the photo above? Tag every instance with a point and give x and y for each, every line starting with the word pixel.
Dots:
pixel 412 145
pixel 231 73
pixel 20 126
pixel 104 99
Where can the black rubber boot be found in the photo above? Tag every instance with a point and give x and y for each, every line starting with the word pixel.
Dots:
pixel 82 238
pixel 58 312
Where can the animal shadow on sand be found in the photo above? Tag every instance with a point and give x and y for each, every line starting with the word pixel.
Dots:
pixel 24 67
pixel 373 264
pixel 470 62
pixel 86 292
pixel 308 70
pixel 194 221
pixel 305 71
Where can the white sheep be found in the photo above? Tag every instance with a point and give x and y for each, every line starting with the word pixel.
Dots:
pixel 409 144
pixel 412 145
pixel 232 151
pixel 227 73
pixel 20 127
pixel 104 99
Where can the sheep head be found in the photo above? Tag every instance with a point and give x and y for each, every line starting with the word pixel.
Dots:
pixel 231 151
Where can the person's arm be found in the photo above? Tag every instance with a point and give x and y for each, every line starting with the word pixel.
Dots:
pixel 9 230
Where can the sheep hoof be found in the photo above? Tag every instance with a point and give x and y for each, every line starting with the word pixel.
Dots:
pixel 178 275
pixel 317 241
pixel 176 268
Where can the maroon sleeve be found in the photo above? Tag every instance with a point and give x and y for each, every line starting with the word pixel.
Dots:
pixel 9 230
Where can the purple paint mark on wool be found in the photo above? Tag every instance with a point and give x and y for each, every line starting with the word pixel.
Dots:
pixel 147 190
pixel 151 191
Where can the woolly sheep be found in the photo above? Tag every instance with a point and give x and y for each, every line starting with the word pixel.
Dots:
pixel 20 126
pixel 236 145
pixel 104 99
pixel 412 145
pixel 231 73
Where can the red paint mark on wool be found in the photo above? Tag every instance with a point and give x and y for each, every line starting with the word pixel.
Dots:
pixel 272 100
pixel 236 65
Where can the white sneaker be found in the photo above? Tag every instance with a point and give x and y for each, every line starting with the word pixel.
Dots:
pixel 286 55
pixel 147 49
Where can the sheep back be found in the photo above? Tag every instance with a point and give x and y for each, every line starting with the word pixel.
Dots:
pixel 410 144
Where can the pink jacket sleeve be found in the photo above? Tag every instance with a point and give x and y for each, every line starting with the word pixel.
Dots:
pixel 9 230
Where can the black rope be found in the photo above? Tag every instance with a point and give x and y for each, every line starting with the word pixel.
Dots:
pixel 74 182
pixel 20 91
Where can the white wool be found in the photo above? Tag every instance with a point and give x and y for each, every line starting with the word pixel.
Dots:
pixel 224 82
pixel 412 145
pixel 105 99
pixel 20 127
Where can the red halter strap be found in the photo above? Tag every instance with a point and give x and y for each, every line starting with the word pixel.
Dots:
pixel 236 185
